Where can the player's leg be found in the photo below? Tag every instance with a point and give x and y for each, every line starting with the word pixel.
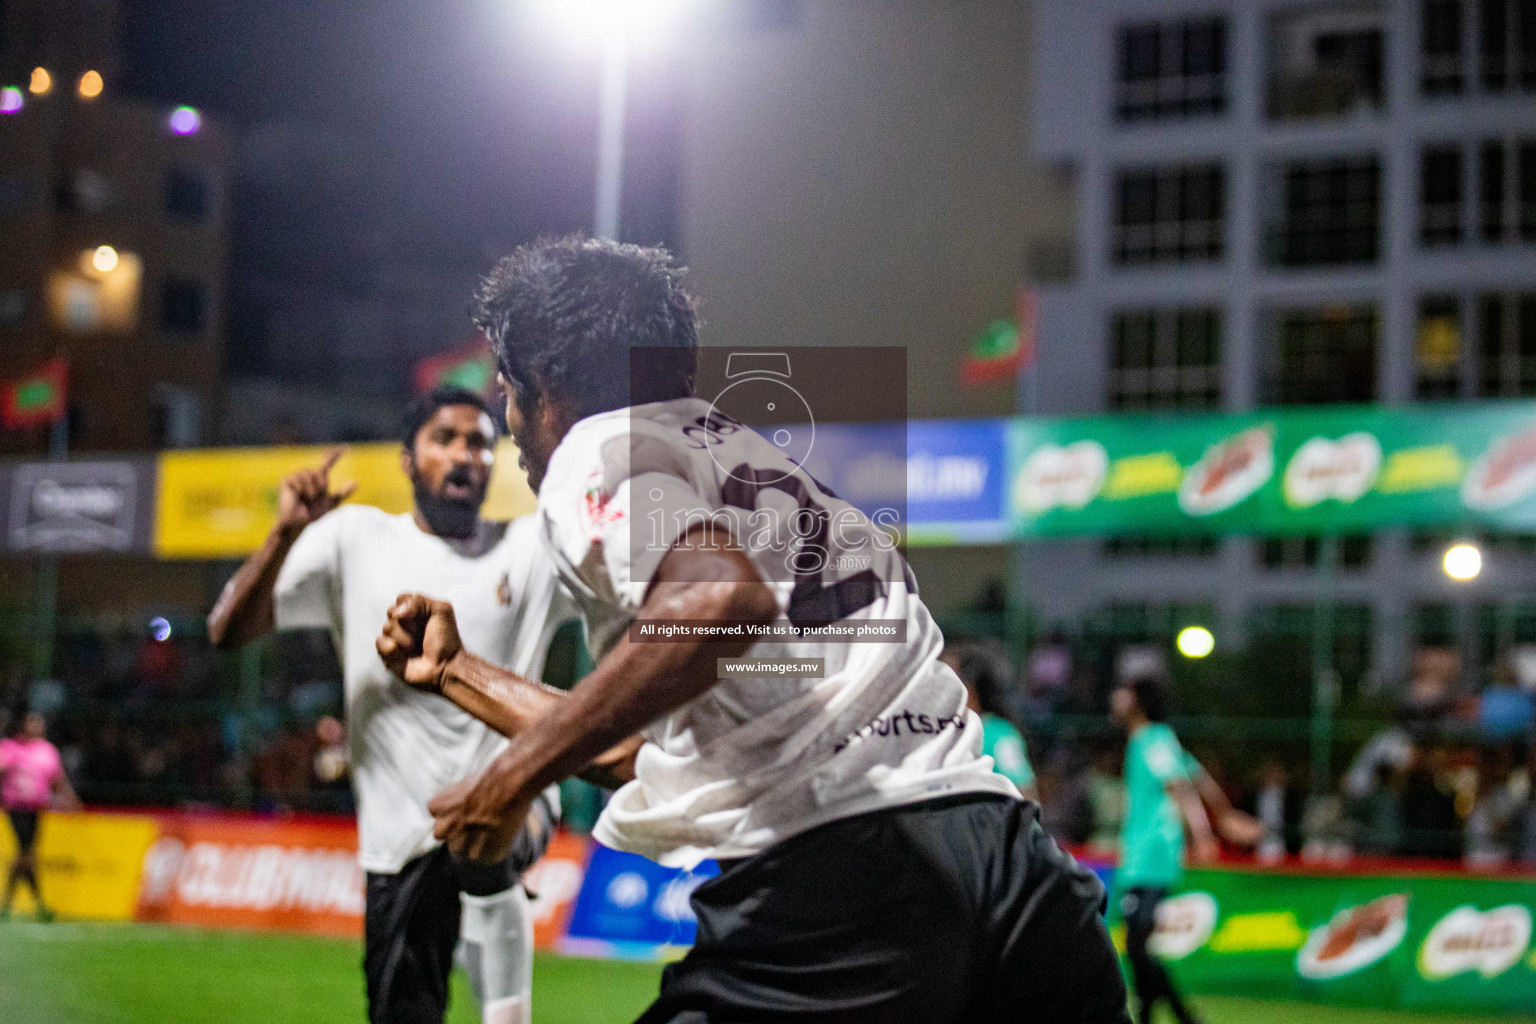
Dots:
pixel 411 924
pixel 497 954
pixel 24 868
pixel 497 930
pixel 1153 983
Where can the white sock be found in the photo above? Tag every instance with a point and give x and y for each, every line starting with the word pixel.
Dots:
pixel 497 953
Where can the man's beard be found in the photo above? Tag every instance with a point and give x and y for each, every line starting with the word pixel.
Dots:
pixel 455 518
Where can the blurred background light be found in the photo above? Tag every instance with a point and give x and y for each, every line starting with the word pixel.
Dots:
pixel 635 20
pixel 104 259
pixel 41 83
pixel 11 100
pixel 1463 561
pixel 185 120
pixel 160 629
pixel 90 85
pixel 1195 642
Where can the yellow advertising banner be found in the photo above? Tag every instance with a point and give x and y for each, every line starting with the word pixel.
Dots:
pixel 220 503
pixel 88 864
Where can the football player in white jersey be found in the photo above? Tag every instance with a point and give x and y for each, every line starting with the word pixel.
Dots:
pixel 874 867
pixel 339 567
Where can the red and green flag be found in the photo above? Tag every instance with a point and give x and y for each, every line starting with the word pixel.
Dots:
pixel 469 366
pixel 38 397
pixel 1004 347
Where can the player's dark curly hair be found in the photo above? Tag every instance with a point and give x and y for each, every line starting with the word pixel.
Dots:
pixel 563 315
pixel 1151 694
pixel 983 666
pixel 424 408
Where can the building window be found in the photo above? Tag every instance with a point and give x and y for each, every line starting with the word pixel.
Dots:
pixel 1507 190
pixel 181 306
pixel 1140 622
pixel 1434 625
pixel 1441 64
pixel 1326 355
pixel 186 194
pixel 1437 348
pixel 1171 214
pixel 1151 545
pixel 1440 195
pixel 1507 45
pixel 1171 69
pixel 1500 627
pixel 1506 331
pixel 1354 552
pixel 1326 61
pixel 1328 212
pixel 1165 359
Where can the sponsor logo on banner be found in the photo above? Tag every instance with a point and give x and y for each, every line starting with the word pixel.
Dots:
pixel 1184 924
pixel 1229 471
pixel 1354 939
pixel 631 906
pixel 1467 939
pixel 253 873
pixel 1062 477
pixel 1503 474
pixel 1343 470
pixel 73 506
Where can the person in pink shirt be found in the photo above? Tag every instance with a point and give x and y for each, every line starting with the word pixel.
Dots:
pixel 31 781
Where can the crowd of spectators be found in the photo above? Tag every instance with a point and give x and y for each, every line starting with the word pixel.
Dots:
pixel 154 718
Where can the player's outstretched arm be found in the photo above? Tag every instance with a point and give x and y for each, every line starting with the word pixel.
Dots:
pixel 244 611
pixel 420 643
pixel 633 685
pixel 1203 840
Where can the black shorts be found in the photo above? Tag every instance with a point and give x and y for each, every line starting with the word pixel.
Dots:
pixel 24 824
pixel 958 909
pixel 411 926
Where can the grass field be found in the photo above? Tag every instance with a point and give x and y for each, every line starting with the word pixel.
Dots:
pixel 145 974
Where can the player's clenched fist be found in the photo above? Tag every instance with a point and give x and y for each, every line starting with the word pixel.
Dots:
pixel 419 639
pixel 306 495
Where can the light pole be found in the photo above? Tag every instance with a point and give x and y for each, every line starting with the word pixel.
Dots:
pixel 617 25
pixel 610 133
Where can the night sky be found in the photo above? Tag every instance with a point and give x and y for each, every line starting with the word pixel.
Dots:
pixel 395 132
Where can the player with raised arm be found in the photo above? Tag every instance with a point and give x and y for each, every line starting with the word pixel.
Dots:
pixel 339 567
pixel 874 867
pixel 1161 798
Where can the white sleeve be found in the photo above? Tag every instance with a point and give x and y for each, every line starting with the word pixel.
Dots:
pixel 586 509
pixel 308 590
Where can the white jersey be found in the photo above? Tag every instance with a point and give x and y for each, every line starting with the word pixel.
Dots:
pixel 343 574
pixel 755 760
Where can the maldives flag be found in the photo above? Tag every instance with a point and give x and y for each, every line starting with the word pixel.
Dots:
pixel 38 397
pixel 1004 347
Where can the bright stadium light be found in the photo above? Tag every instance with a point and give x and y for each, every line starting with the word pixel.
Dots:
pixel 1195 642
pixel 1463 562
pixel 104 259
pixel 617 26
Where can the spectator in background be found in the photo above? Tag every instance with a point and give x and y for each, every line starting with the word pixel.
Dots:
pixel 1431 827
pixel 1493 831
pixel 1046 675
pixel 983 668
pixel 1278 809
pixel 1378 817
pixel 1506 709
pixel 31 781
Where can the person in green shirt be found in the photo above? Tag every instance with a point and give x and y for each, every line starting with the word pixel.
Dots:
pixel 984 671
pixel 1160 799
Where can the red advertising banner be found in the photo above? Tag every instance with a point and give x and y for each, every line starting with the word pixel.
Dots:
pixel 554 883
pixel 230 872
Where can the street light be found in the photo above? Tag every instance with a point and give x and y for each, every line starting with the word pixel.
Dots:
pixel 618 25
pixel 1463 562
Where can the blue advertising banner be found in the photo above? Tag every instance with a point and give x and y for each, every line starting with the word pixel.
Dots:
pixel 633 908
pixel 947 480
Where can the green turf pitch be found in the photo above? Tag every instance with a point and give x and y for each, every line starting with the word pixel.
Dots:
pixel 144 974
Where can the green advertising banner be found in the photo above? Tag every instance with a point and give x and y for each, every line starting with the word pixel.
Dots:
pixel 1445 943
pixel 1313 470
